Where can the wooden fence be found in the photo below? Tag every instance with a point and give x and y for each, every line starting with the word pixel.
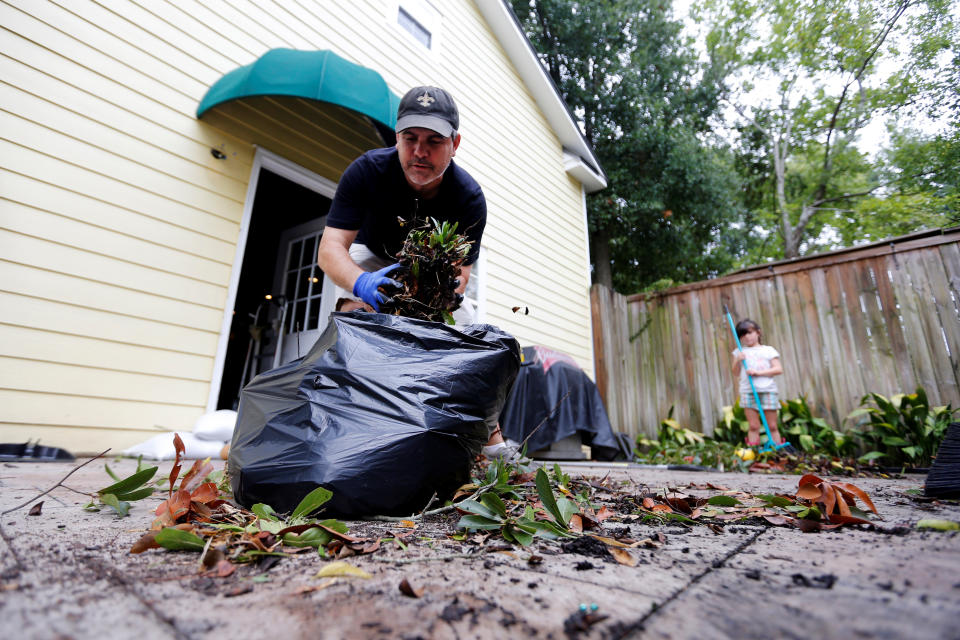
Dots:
pixel 883 317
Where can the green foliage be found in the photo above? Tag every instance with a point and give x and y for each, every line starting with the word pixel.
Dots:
pixel 904 428
pixel 120 494
pixel 800 426
pixel 492 513
pixel 826 70
pixel 645 102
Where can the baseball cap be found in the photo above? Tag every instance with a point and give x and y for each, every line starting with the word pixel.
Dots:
pixel 430 108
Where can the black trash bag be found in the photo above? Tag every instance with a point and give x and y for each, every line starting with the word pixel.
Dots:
pixel 536 406
pixel 383 411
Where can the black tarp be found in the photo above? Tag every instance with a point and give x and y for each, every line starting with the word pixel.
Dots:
pixel 545 378
pixel 383 411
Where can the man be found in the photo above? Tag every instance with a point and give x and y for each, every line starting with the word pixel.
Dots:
pixel 384 190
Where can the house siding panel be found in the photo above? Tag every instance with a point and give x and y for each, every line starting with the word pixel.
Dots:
pixel 118 228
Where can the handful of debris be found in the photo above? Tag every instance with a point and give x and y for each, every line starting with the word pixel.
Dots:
pixel 431 258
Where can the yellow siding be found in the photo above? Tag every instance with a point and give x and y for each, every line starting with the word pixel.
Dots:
pixel 118 228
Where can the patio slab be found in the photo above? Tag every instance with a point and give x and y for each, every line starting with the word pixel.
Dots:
pixel 77 578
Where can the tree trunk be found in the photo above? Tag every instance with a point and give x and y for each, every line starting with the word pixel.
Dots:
pixel 600 252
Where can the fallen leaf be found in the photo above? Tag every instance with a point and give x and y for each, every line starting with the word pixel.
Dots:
pixel 604 513
pixel 778 520
pixel 339 568
pixel 316 587
pixel 146 541
pixel 576 523
pixel 207 492
pixel 36 509
pixel 408 524
pixel 622 556
pixel 938 525
pixel 535 560
pixel 648 503
pixel 196 474
pixel 408 590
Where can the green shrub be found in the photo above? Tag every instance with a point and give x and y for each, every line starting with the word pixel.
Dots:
pixel 903 429
pixel 800 427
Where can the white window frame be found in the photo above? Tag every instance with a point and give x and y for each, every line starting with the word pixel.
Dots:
pixel 426 13
pixel 478 275
pixel 262 159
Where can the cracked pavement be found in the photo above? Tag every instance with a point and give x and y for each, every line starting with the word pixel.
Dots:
pixel 77 579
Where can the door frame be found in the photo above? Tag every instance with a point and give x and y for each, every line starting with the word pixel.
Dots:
pixel 262 159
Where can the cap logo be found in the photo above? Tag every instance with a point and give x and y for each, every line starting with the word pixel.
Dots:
pixel 426 100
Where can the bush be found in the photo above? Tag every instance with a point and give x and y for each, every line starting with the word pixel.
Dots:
pixel 903 429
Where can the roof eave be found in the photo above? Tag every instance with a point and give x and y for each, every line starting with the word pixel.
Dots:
pixel 507 30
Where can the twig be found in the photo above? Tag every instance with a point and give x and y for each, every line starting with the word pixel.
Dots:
pixel 60 483
pixel 429 504
pixel 445 509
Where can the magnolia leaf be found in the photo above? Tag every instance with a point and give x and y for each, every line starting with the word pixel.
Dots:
pixel 567 509
pixel 938 525
pixel 522 537
pixel 775 501
pixel 196 474
pixel 139 494
pixel 723 501
pixel 311 502
pixel 179 540
pixel 122 508
pixel 130 483
pixel 622 556
pixel 478 522
pixel 494 503
pixel 872 455
pixel 474 507
pixel 809 492
pixel 146 541
pixel 341 569
pixel 264 511
pixel 547 497
pixel 408 590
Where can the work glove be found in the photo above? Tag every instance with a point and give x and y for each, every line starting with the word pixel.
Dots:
pixel 367 284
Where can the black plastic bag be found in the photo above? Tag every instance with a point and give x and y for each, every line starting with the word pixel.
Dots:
pixel 553 396
pixel 383 411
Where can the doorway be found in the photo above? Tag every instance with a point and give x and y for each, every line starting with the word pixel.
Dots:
pixel 276 309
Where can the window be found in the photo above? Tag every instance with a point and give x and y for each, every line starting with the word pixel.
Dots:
pixel 419 19
pixel 475 295
pixel 416 29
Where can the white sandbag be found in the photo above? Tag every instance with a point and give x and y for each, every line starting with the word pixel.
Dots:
pixel 216 425
pixel 160 447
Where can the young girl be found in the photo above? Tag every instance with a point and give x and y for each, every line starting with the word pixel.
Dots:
pixel 761 362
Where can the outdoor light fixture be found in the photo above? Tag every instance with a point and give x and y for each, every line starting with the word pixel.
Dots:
pixel 216 153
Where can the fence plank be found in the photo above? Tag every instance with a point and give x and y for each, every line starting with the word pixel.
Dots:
pixel 880 319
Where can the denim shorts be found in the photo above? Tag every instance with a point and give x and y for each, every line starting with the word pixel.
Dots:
pixel 768 400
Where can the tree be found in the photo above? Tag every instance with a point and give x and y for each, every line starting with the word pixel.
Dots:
pixel 811 75
pixel 644 105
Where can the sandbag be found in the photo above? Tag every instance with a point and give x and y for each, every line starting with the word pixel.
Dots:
pixel 383 411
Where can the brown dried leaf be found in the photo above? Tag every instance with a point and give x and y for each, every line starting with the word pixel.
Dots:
pixel 809 492
pixel 407 589
pixel 604 513
pixel 175 470
pixel 199 471
pixel 576 524
pixel 146 541
pixel 36 509
pixel 858 492
pixel 648 503
pixel 622 556
pixel 206 492
pixel 779 520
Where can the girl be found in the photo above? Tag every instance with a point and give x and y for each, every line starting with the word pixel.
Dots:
pixel 761 362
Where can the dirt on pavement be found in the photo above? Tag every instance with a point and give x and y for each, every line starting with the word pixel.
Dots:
pixel 70 574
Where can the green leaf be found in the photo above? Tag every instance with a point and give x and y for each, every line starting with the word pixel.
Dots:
pixel 723 501
pixel 110 472
pixel 474 507
pixel 122 508
pixel 894 441
pixel 567 509
pixel 311 502
pixel 521 536
pixel 806 441
pixel 264 511
pixel 179 540
pixel 776 501
pixel 494 503
pixel 139 494
pixel 312 537
pixel 547 498
pixel 478 522
pixel 938 525
pixel 871 455
pixel 130 483
pixel 336 525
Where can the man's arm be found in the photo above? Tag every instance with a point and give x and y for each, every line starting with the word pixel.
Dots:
pixel 464 277
pixel 334 259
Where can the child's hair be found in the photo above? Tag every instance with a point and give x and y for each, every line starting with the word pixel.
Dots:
pixel 747 325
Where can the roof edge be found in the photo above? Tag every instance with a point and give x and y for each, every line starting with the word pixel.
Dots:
pixel 506 28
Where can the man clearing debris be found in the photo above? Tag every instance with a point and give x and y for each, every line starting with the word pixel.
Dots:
pixel 386 191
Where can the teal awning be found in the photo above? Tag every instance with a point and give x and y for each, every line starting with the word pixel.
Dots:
pixel 313 75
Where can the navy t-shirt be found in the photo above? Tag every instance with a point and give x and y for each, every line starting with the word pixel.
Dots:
pixel 373 193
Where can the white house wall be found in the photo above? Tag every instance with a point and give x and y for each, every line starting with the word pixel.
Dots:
pixel 118 227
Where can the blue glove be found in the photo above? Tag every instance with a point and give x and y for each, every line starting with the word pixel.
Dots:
pixel 366 286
